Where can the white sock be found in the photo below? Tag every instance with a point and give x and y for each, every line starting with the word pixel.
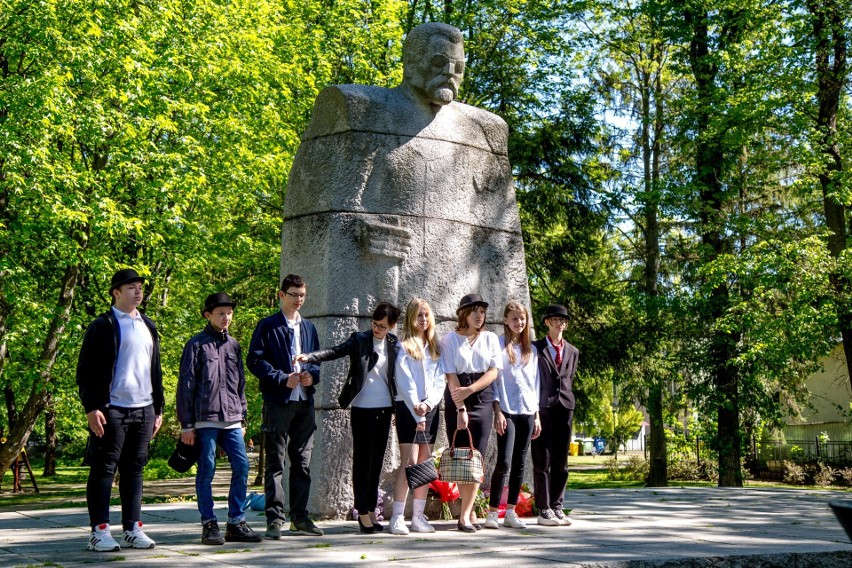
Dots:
pixel 398 508
pixel 419 507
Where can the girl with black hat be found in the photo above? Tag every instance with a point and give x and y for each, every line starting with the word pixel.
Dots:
pixel 471 358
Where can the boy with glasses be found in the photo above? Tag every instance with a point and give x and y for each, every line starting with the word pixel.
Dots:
pixel 557 364
pixel 288 406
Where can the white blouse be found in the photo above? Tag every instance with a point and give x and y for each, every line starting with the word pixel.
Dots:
pixel 517 385
pixel 419 381
pixel 459 356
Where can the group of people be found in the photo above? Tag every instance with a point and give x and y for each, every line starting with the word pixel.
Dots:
pixel 519 387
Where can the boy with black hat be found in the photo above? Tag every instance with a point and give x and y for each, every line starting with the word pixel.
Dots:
pixel 211 408
pixel 121 387
pixel 557 364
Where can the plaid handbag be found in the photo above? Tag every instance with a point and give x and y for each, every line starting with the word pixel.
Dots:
pixel 420 474
pixel 461 465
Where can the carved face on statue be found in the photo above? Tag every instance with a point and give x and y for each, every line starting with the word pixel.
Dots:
pixel 434 66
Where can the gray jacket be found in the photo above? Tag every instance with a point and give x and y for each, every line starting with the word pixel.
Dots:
pixel 212 382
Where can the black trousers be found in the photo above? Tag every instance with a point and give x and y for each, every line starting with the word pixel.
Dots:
pixel 288 428
pixel 370 431
pixel 550 456
pixel 480 419
pixel 512 448
pixel 124 446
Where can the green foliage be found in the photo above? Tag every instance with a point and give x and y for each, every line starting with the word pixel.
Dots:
pixel 158 468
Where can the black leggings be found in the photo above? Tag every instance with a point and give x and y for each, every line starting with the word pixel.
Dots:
pixel 512 448
pixel 370 431
pixel 124 446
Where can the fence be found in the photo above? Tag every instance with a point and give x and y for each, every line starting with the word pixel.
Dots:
pixel 769 456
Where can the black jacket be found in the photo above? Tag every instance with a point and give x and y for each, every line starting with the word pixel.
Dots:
pixel 359 348
pixel 96 363
pixel 557 384
pixel 212 382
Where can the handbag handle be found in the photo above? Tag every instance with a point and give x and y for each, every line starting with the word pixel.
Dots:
pixel 469 439
pixel 415 442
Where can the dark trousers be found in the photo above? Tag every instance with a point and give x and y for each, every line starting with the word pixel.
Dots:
pixel 480 419
pixel 512 449
pixel 370 431
pixel 550 456
pixel 124 446
pixel 288 428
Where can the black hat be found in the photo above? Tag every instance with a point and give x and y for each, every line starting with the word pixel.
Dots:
pixel 213 301
pixel 471 300
pixel 555 311
pixel 185 456
pixel 122 277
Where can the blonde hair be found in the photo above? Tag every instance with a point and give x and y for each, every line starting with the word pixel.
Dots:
pixel 466 311
pixel 411 332
pixel 525 337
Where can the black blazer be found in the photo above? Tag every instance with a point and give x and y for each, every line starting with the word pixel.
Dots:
pixel 359 348
pixel 556 383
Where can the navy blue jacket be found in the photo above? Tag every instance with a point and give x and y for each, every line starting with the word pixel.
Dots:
pixel 212 383
pixel 270 360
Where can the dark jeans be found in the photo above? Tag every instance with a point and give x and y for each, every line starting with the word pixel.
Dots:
pixel 550 456
pixel 288 427
pixel 370 431
pixel 124 446
pixel 512 449
pixel 234 446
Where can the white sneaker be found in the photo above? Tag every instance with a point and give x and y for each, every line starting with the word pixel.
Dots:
pixel 102 541
pixel 491 521
pixel 397 525
pixel 420 524
pixel 513 521
pixel 136 538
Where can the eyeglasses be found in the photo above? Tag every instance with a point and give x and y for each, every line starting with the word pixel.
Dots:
pixel 558 321
pixel 300 296
pixel 379 326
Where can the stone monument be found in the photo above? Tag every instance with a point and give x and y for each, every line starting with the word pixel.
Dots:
pixel 394 194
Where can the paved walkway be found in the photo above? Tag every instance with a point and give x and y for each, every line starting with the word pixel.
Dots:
pixel 619 528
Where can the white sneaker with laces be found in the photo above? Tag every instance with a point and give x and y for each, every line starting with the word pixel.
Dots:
pixel 420 524
pixel 513 521
pixel 547 518
pixel 491 521
pixel 136 538
pixel 101 540
pixel 397 525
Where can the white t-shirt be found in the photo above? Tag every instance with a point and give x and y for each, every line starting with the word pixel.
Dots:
pixel 459 356
pixel 131 380
pixel 375 393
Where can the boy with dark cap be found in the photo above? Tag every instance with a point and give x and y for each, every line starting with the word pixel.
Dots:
pixel 121 387
pixel 557 364
pixel 211 408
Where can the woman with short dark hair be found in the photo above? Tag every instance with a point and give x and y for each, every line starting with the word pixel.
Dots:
pixel 370 389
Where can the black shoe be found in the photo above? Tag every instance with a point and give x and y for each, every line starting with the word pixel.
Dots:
pixel 365 529
pixel 378 526
pixel 466 528
pixel 241 532
pixel 210 533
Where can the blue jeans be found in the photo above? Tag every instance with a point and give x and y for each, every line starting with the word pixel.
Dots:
pixel 232 443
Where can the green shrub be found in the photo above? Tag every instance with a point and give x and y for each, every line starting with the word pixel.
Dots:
pixel 159 468
pixel 825 475
pixel 794 474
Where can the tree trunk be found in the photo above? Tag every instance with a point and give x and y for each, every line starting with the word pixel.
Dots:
pixel 709 159
pixel 39 393
pixel 830 47
pixel 50 439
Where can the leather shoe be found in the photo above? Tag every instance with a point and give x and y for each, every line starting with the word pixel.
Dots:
pixel 466 528
pixel 365 529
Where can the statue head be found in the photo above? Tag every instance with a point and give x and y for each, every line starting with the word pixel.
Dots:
pixel 433 62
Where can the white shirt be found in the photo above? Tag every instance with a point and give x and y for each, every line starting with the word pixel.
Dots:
pixel 553 350
pixel 419 380
pixel 517 385
pixel 459 356
pixel 298 392
pixel 375 393
pixel 131 378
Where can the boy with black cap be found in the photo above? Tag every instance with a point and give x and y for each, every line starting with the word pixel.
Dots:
pixel 121 387
pixel 557 364
pixel 211 408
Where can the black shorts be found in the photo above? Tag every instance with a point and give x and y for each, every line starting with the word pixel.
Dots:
pixel 406 425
